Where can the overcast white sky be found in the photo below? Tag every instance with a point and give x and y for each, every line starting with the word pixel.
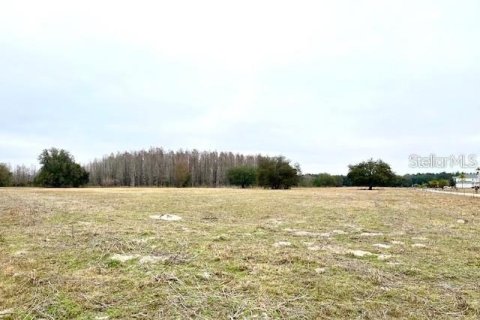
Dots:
pixel 325 83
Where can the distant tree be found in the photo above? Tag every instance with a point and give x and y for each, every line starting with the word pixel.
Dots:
pixel 182 176
pixel 243 176
pixel 23 176
pixel 433 184
pixel 325 180
pixel 462 177
pixel 276 173
pixel 452 182
pixel 371 173
pixel 401 181
pixel 5 175
pixel 443 183
pixel 306 180
pixel 424 178
pixel 328 180
pixel 59 170
pixel 346 181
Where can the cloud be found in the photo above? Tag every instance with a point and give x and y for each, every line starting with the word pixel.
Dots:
pixel 324 82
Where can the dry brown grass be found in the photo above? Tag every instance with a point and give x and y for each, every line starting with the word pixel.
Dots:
pixel 220 261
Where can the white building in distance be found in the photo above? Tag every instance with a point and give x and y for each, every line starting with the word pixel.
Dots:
pixel 471 180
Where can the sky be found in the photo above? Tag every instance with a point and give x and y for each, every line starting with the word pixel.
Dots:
pixel 324 83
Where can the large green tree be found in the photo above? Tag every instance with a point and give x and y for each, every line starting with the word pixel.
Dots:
pixel 371 174
pixel 5 175
pixel 276 173
pixel 243 176
pixel 59 170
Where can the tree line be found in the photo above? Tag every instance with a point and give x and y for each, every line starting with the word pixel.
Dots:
pixel 58 169
pixel 273 173
pixel 430 180
pixel 155 168
pixel 19 176
pixel 159 168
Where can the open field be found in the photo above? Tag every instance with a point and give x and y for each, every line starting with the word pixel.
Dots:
pixel 302 253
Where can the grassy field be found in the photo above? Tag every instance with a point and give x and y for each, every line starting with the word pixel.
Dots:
pixel 238 254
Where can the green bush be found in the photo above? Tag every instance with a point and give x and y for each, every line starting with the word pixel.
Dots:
pixel 243 176
pixel 5 175
pixel 276 173
pixel 59 170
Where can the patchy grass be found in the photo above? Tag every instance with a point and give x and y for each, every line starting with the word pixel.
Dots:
pixel 303 253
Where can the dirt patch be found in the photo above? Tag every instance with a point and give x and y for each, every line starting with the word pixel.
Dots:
pixel 382 245
pixel 143 240
pixel 418 245
pixel 123 257
pixel 282 244
pixel 384 257
pixel 205 275
pixel 303 233
pixel 275 222
pixel 143 259
pixel 6 313
pixel 371 234
pixel 166 217
pixel 153 259
pixel 321 270
pixel 20 253
pixel 420 238
pixel 355 253
pixel 360 253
